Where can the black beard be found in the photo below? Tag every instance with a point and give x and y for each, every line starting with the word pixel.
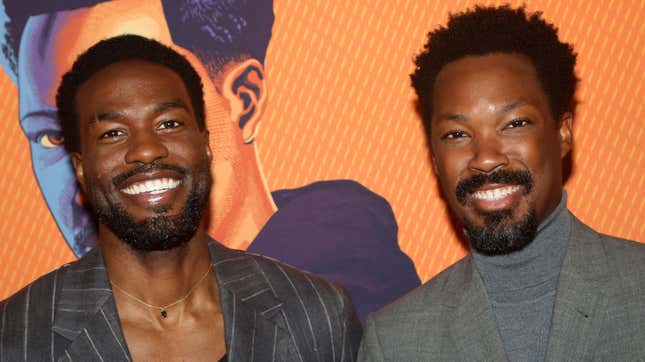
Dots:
pixel 158 233
pixel 498 236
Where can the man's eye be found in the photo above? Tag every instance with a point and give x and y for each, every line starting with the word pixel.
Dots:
pixel 517 123
pixel 50 139
pixel 169 124
pixel 113 133
pixel 452 135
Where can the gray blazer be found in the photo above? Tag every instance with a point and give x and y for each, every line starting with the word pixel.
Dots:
pixel 599 312
pixel 272 312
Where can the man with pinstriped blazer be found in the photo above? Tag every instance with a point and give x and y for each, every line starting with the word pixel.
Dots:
pixel 156 287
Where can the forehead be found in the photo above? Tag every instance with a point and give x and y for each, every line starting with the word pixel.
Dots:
pixel 497 78
pixel 130 86
pixel 51 42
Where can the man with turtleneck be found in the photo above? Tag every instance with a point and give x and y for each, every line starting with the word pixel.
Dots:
pixel 496 95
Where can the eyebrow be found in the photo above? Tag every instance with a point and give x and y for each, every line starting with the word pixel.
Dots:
pixel 512 106
pixel 461 118
pixel 162 107
pixel 158 108
pixel 106 116
pixel 49 114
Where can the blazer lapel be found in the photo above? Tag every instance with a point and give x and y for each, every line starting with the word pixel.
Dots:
pixel 253 317
pixel 580 302
pixel 473 329
pixel 86 316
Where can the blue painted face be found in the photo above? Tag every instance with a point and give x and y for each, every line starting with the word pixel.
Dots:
pixel 39 71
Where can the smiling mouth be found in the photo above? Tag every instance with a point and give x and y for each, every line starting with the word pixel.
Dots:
pixel 495 194
pixel 493 198
pixel 152 187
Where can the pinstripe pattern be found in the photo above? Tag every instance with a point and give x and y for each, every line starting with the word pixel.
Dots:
pixel 89 338
pixel 322 303
pixel 51 320
pixel 286 320
pixel 114 335
pixel 26 330
pixel 304 308
pixel 271 312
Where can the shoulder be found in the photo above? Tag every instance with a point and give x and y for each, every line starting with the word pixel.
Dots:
pixel 627 252
pixel 627 257
pixel 419 321
pixel 286 282
pixel 628 260
pixel 27 315
pixel 426 301
pixel 315 311
pixel 44 284
pixel 291 283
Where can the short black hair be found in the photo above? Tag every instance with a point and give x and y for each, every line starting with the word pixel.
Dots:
pixel 488 30
pixel 118 49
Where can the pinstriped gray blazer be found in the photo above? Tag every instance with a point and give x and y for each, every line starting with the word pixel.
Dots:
pixel 272 312
pixel 599 312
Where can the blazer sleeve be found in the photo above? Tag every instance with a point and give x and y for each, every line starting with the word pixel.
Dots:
pixel 370 349
pixel 352 330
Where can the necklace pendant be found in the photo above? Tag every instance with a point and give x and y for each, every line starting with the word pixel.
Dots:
pixel 164 314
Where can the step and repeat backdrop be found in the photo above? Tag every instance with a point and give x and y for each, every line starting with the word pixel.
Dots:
pixel 339 106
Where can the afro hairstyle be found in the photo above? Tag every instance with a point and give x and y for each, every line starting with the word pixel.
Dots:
pixel 488 30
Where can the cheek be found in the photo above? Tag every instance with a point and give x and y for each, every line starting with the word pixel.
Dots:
pixel 450 164
pixel 539 156
pixel 103 166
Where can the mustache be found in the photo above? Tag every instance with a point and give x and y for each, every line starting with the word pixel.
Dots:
pixel 120 178
pixel 469 185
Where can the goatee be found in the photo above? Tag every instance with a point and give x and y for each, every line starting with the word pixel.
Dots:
pixel 499 234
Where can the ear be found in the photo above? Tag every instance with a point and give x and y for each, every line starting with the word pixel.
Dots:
pixel 566 133
pixel 244 88
pixel 209 153
pixel 434 164
pixel 77 162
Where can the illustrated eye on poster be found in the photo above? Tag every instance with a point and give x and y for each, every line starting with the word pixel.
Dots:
pixel 317 149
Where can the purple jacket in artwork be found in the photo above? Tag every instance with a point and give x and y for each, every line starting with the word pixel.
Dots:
pixel 344 232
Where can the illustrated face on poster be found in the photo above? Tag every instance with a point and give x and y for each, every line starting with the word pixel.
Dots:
pixel 49 44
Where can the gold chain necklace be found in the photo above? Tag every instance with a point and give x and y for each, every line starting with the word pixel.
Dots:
pixel 163 309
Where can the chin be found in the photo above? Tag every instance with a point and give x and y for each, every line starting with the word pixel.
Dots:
pixel 500 233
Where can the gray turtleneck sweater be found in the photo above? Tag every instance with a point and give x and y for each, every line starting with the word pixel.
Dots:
pixel 521 287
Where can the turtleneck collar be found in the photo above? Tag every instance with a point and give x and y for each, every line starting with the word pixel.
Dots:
pixel 534 270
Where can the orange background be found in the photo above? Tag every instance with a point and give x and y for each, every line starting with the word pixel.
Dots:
pixel 341 107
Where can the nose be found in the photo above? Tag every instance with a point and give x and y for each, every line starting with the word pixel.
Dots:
pixel 488 155
pixel 145 147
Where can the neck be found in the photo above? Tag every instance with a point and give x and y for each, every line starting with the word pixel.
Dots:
pixel 158 278
pixel 241 198
pixel 533 270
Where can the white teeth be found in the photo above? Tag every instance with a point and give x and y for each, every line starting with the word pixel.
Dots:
pixel 155 186
pixel 495 194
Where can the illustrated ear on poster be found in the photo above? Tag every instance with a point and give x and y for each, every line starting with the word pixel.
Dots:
pixel 244 87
